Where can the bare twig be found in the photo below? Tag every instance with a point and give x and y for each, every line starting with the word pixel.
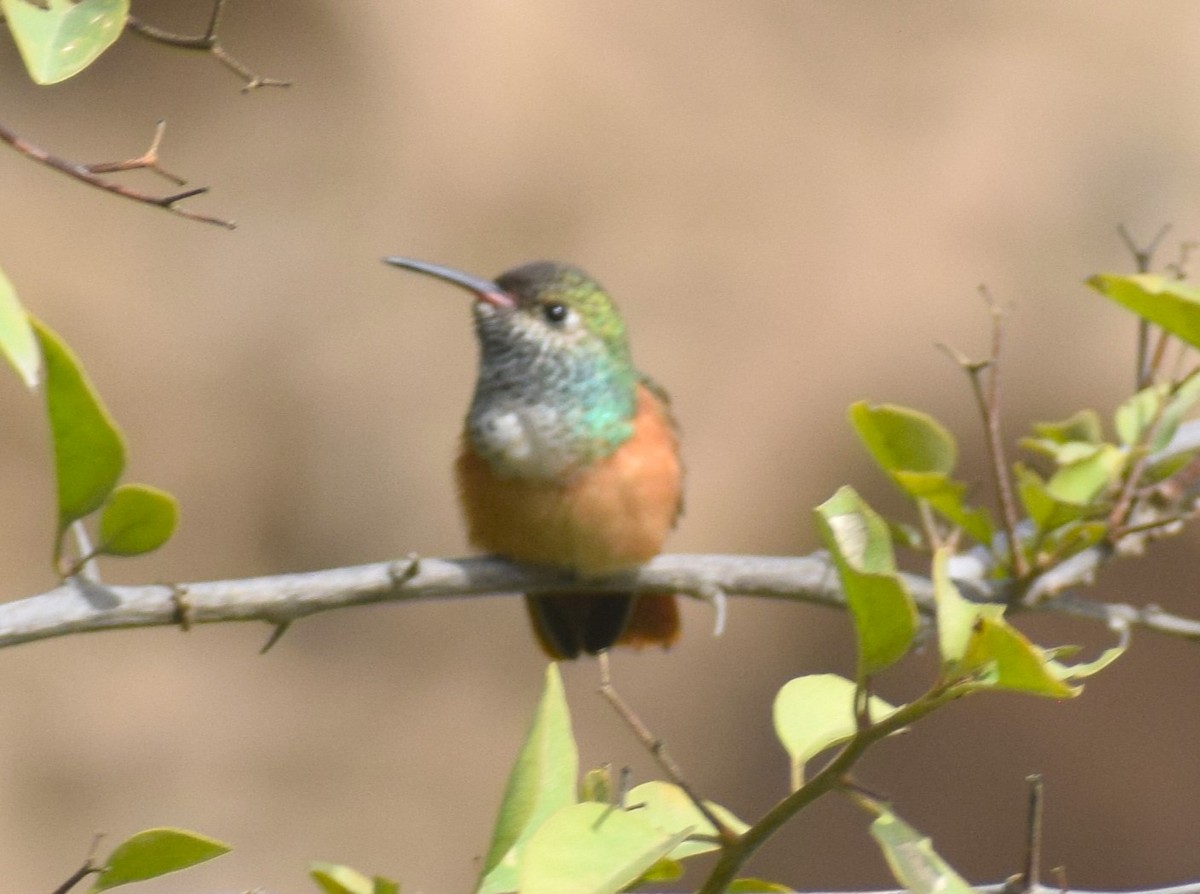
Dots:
pixel 208 42
pixel 89 867
pixel 1143 259
pixel 658 749
pixel 987 397
pixel 90 174
pixel 1033 836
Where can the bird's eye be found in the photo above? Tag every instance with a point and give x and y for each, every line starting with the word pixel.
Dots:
pixel 554 312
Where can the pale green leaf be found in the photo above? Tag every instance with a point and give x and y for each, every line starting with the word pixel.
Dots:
pixel 902 439
pixel 17 341
pixel 957 617
pixel 912 859
pixel 156 852
pixel 885 616
pixel 816 712
pixel 136 519
pixel 1083 426
pixel 335 879
pixel 1170 303
pixel 89 451
pixel 1085 480
pixel 592 848
pixel 541 782
pixel 66 37
pixel 668 808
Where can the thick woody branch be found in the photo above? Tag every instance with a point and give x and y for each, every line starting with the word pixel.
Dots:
pixel 81 606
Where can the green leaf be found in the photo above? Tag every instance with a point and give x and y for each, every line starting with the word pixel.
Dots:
pixel 385 885
pixel 1045 511
pixel 592 848
pixel 885 616
pixel 665 870
pixel 89 452
pixel 1012 662
pixel 957 617
pixel 156 852
pixel 62 40
pixel 668 808
pixel 902 439
pixel 1169 303
pixel 136 519
pixel 912 859
pixel 335 879
pixel 1085 480
pixel 1083 426
pixel 1087 668
pixel 919 454
pixel 597 785
pixel 1158 406
pixel 816 712
pixel 757 886
pixel 17 341
pixel 541 782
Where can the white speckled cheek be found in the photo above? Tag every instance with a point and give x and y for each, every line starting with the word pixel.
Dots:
pixel 505 434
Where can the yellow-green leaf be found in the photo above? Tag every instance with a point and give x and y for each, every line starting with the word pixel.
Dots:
pixel 902 439
pixel 1170 303
pixel 89 451
pixel 541 782
pixel 885 616
pixel 65 37
pixel 136 519
pixel 156 852
pixel 333 878
pixel 1012 661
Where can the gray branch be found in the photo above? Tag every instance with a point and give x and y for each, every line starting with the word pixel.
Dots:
pixel 81 606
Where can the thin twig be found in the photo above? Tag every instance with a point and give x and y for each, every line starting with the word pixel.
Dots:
pixel 1143 259
pixel 89 867
pixel 208 42
pixel 987 397
pixel 658 749
pixel 86 174
pixel 1033 836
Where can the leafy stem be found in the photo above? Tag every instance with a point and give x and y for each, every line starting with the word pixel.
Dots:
pixel 831 777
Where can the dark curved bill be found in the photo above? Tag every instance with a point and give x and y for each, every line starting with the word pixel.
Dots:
pixel 483 289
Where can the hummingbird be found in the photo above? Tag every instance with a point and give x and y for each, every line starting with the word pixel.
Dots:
pixel 569 455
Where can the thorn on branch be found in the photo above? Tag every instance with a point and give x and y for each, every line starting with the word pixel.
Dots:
pixel 90 174
pixel 276 636
pixel 208 42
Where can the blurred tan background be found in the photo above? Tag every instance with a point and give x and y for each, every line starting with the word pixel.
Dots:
pixel 792 201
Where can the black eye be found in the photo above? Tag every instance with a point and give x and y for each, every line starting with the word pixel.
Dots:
pixel 554 312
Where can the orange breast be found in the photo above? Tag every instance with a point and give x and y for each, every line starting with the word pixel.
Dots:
pixel 610 515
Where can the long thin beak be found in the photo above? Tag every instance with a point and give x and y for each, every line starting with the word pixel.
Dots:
pixel 482 289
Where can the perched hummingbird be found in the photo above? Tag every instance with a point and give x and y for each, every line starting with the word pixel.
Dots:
pixel 570 456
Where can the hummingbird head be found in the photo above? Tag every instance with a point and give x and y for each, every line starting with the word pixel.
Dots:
pixel 556 386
